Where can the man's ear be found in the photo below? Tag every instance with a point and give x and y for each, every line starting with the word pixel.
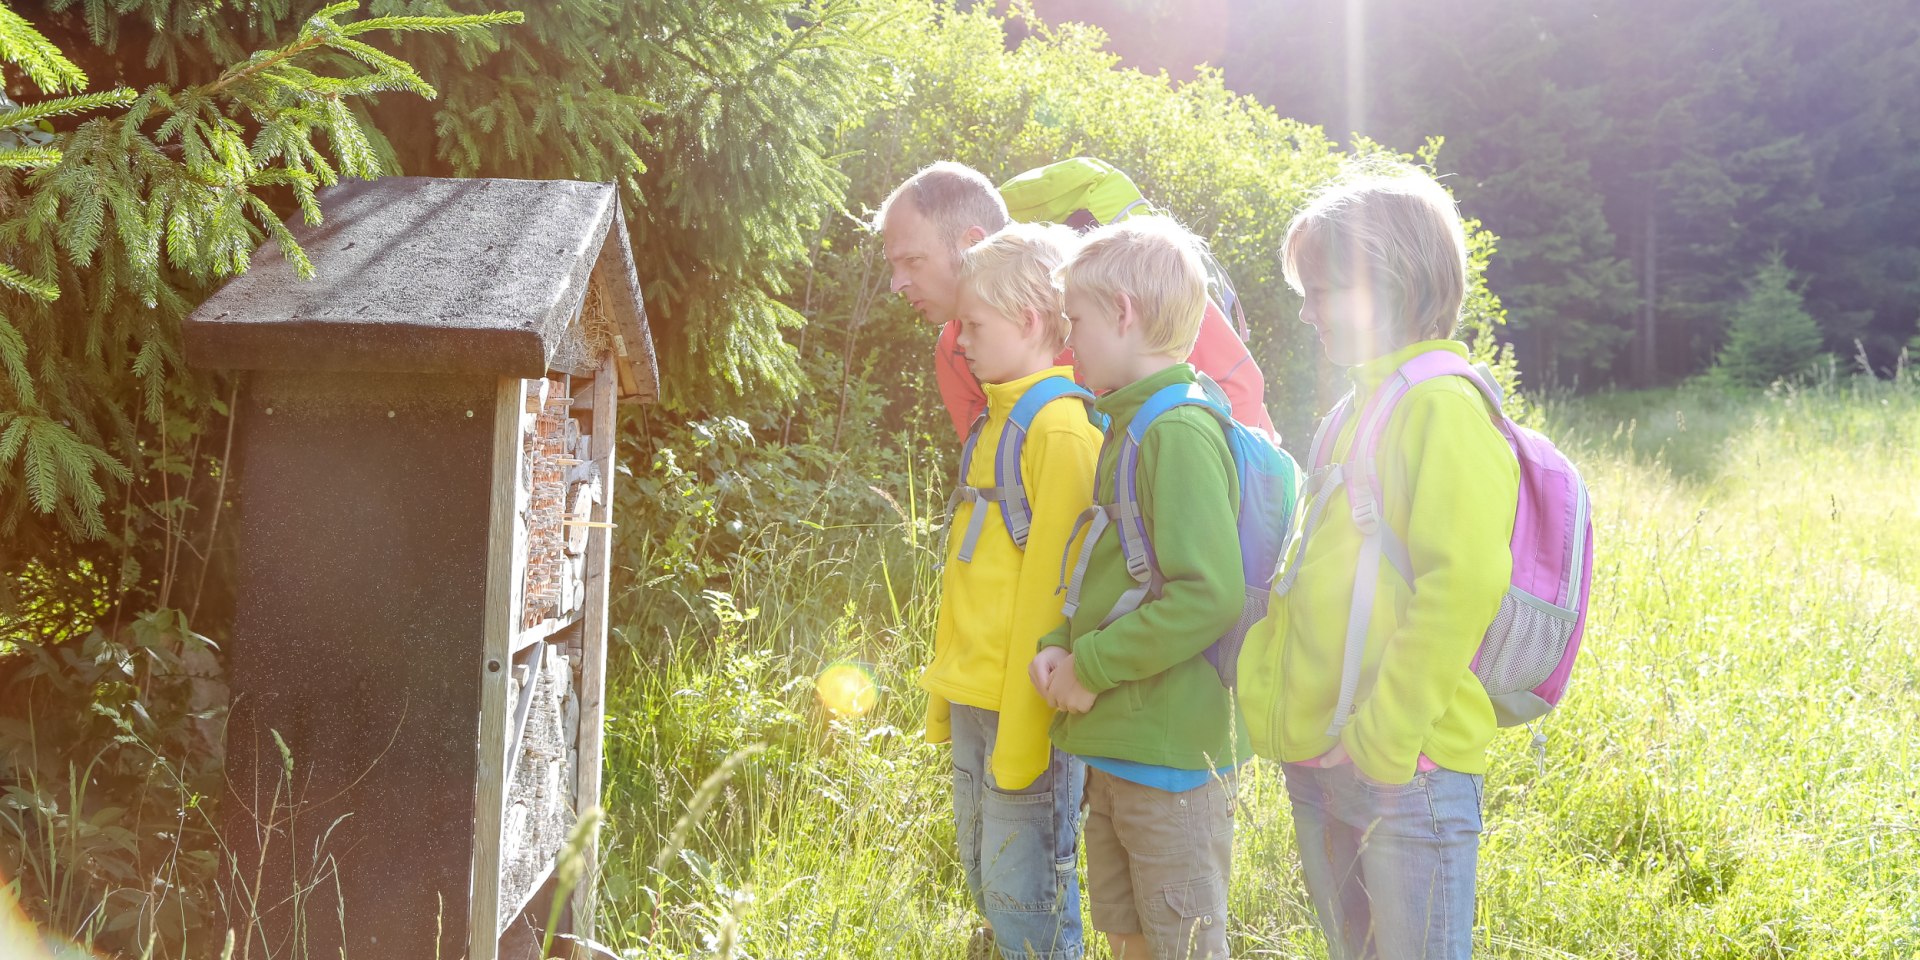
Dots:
pixel 974 234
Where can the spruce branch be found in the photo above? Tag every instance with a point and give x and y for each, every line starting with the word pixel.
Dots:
pixel 36 56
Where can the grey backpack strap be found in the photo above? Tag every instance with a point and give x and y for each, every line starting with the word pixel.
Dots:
pixel 1363 494
pixel 1319 492
pixel 1095 521
pixel 963 493
pixel 979 497
pixel 1359 617
pixel 1131 600
pixel 1009 488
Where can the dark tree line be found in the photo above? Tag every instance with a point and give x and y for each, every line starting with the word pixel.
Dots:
pixel 1641 161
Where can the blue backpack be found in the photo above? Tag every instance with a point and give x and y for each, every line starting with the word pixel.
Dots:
pixel 1009 488
pixel 1269 492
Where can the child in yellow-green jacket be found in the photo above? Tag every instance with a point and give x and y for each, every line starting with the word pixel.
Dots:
pixel 1026 476
pixel 1386 797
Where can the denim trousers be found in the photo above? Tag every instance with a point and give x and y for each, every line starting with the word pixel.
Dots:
pixel 1389 867
pixel 1019 848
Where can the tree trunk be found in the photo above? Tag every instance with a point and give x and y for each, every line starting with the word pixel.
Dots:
pixel 1646 370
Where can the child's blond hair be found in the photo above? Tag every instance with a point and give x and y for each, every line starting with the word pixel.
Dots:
pixel 1394 230
pixel 1012 272
pixel 1156 264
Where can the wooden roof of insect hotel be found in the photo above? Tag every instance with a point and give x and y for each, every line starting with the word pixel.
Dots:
pixel 413 274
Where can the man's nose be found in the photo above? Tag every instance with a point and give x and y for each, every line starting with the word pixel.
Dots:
pixel 900 280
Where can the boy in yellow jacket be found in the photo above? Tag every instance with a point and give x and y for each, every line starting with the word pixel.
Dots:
pixel 1026 476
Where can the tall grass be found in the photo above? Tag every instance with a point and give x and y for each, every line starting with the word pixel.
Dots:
pixel 1733 776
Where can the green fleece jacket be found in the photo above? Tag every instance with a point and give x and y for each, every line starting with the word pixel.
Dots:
pixel 1157 699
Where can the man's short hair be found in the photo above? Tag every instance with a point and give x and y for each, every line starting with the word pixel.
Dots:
pixel 1156 263
pixel 1012 272
pixel 1392 229
pixel 954 197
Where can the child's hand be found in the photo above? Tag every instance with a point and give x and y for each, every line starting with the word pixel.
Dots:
pixel 1041 670
pixel 1064 690
pixel 1339 757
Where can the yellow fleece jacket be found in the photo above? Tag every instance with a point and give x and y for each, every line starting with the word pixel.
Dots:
pixel 1451 484
pixel 994 610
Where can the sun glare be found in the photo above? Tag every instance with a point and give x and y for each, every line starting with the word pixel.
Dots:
pixel 847 689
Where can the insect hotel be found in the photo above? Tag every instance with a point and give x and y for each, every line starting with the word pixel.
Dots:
pixel 424 463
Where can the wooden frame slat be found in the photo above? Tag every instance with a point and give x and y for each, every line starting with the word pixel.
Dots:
pixel 506 573
pixel 593 634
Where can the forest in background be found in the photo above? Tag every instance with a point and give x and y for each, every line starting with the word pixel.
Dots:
pixel 1643 162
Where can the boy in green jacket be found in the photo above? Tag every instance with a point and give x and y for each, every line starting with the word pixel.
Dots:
pixel 1142 707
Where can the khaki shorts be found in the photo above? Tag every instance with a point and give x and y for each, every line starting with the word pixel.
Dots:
pixel 1158 863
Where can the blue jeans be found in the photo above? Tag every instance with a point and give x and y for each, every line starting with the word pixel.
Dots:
pixel 1389 867
pixel 1019 847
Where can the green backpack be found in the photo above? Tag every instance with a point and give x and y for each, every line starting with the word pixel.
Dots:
pixel 1084 193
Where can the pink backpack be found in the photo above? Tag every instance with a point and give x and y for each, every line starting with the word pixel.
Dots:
pixel 1527 655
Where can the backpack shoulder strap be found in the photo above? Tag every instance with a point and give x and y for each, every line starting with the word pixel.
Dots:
pixel 1363 474
pixel 1134 545
pixel 964 492
pixel 1320 455
pixel 1009 482
pixel 1201 393
pixel 1042 393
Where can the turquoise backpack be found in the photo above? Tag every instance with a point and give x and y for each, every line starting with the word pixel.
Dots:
pixel 1269 493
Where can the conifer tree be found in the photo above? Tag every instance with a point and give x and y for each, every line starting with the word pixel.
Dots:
pixel 1771 334
pixel 110 231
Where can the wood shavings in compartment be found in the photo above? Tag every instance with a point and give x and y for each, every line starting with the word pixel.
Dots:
pixel 542 769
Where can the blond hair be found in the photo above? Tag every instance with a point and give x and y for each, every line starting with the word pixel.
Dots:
pixel 954 197
pixel 1012 272
pixel 1155 263
pixel 1394 230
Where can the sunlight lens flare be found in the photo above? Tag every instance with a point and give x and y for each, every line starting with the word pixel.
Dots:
pixel 847 689
pixel 19 940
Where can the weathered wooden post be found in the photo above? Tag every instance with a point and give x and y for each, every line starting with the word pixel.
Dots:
pixel 425 472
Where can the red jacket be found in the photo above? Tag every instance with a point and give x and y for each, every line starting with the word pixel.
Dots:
pixel 1218 353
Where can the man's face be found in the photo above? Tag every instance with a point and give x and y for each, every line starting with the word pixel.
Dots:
pixel 926 269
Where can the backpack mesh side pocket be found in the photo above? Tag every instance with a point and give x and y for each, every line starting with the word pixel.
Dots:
pixel 1525 644
pixel 1224 653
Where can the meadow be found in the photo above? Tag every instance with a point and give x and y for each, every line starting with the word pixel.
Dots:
pixel 1732 776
